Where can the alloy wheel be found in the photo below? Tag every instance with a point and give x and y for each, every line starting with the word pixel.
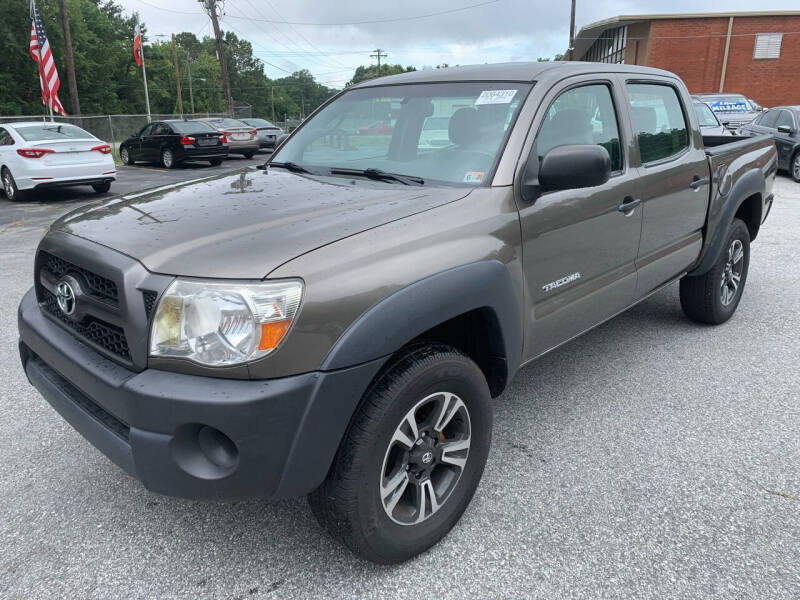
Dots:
pixel 166 157
pixel 732 273
pixel 8 185
pixel 796 166
pixel 123 154
pixel 425 458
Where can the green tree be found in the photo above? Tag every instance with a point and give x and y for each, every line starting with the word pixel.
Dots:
pixel 363 73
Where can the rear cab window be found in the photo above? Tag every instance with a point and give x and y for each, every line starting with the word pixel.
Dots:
pixel 659 122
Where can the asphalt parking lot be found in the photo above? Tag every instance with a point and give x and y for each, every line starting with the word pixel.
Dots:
pixel 48 204
pixel 650 458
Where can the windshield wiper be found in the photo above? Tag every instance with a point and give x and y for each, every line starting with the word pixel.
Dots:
pixel 291 166
pixel 379 175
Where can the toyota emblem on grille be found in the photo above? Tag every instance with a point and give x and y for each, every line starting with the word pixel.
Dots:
pixel 66 297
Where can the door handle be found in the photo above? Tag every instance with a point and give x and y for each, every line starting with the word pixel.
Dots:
pixel 628 204
pixel 698 182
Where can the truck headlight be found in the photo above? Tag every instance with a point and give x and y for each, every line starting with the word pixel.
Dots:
pixel 218 324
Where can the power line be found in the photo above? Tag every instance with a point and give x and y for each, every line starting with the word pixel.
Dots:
pixel 333 24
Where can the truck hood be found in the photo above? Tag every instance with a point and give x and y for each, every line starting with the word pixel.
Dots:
pixel 244 225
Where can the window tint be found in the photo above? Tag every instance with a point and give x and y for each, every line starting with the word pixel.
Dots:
pixel 146 130
pixel 785 119
pixel 583 115
pixel 657 120
pixel 191 127
pixel 52 131
pixel 769 119
pixel 5 138
pixel 161 129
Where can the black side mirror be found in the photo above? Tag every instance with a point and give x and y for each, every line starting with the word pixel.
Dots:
pixel 785 129
pixel 574 167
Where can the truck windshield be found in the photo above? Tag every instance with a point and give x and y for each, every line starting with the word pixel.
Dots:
pixel 450 133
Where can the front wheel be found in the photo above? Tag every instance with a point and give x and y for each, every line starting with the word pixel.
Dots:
pixel 13 193
pixel 713 297
pixel 795 167
pixel 412 457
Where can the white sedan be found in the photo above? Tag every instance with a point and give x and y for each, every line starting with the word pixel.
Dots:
pixel 41 154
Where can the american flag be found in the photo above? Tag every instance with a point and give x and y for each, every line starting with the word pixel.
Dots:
pixel 41 54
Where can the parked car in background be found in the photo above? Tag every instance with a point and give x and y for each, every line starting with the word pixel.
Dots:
pixel 377 128
pixel 709 123
pixel 733 110
pixel 174 142
pixel 783 124
pixel 267 132
pixel 242 138
pixel 42 154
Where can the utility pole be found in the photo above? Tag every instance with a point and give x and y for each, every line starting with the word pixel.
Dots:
pixel 189 74
pixel 211 8
pixel 378 55
pixel 177 75
pixel 571 50
pixel 272 100
pixel 73 84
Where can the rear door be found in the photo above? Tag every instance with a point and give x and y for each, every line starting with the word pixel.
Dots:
pixel 579 247
pixel 673 181
pixel 785 141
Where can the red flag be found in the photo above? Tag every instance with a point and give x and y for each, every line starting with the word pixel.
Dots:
pixel 40 52
pixel 137 47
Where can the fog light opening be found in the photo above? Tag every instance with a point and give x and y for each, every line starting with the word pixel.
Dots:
pixel 204 452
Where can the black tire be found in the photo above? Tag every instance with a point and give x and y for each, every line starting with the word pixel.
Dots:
pixel 12 192
pixel 794 167
pixel 102 188
pixel 168 159
pixel 349 502
pixel 249 155
pixel 215 162
pixel 125 156
pixel 703 298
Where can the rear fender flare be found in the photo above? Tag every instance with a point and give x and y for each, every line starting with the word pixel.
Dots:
pixel 750 184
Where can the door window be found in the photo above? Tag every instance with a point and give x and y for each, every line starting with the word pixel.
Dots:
pixel 5 138
pixel 785 119
pixel 658 121
pixel 146 131
pixel 582 115
pixel 161 129
pixel 769 119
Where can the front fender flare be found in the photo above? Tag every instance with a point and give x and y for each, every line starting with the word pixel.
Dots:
pixel 399 318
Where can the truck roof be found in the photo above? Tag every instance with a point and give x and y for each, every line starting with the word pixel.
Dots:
pixel 510 71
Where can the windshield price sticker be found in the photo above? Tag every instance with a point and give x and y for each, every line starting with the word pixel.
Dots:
pixel 495 97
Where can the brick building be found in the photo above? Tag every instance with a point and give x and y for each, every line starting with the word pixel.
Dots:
pixel 752 53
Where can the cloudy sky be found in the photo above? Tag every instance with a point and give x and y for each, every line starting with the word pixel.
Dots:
pixel 332 37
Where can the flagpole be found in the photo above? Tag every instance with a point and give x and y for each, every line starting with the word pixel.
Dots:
pixel 144 75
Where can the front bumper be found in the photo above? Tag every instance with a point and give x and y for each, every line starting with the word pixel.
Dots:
pixel 192 436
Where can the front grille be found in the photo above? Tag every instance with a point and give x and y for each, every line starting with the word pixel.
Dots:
pixel 105 335
pixel 100 287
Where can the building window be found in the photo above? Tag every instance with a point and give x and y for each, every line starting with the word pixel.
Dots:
pixel 768 45
pixel 609 47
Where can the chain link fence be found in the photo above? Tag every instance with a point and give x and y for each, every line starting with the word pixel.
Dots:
pixel 114 129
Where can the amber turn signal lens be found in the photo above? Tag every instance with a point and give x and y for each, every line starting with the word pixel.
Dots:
pixel 272 333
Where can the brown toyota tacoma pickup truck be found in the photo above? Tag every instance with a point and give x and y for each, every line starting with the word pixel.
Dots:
pixel 337 323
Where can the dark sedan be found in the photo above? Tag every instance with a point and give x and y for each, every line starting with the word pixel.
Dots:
pixel 782 123
pixel 173 142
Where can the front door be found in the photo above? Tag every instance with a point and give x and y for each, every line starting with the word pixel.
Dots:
pixel 786 140
pixel 674 182
pixel 580 245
